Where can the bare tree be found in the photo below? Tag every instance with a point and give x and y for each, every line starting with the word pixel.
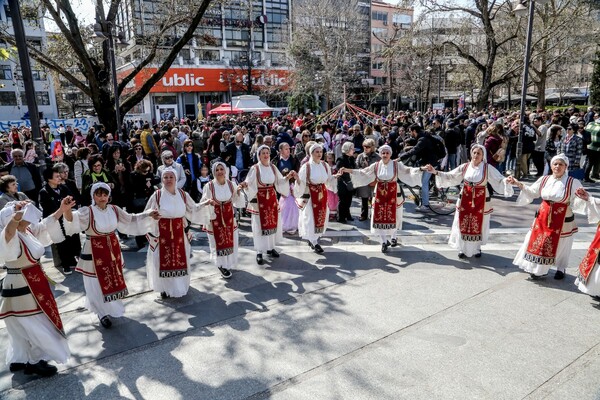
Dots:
pixel 172 27
pixel 483 37
pixel 328 48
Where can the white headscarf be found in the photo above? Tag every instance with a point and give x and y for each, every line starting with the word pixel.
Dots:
pixel 167 170
pixel 96 186
pixel 315 147
pixel 474 146
pixel 214 169
pixel 561 157
pixel 385 147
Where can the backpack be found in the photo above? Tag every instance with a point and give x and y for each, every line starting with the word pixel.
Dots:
pixel 439 147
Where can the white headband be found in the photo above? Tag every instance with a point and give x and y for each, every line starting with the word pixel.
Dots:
pixel 214 169
pixel 96 186
pixel 383 148
pixel 261 147
pixel 561 157
pixel 315 147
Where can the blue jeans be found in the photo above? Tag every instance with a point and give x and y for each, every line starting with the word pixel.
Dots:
pixel 425 188
pixel 451 161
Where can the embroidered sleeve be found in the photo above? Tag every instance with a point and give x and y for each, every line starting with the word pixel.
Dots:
pixel 451 178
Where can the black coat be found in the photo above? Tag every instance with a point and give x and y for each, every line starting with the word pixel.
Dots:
pixel 231 151
pixel 50 199
pixel 343 181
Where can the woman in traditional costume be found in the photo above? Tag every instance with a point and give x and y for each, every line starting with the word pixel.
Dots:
pixel 262 184
pixel 101 262
pixel 168 260
pixel 218 200
pixel 471 225
pixel 588 276
pixel 386 217
pixel 310 190
pixel 549 241
pixel 27 305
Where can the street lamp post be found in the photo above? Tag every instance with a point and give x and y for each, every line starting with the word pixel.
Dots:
pixel 222 80
pixel 520 10
pixel 100 35
pixel 439 94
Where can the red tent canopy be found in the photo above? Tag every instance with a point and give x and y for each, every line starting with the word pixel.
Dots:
pixel 225 108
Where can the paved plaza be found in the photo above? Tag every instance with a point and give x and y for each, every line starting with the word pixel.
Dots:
pixel 352 323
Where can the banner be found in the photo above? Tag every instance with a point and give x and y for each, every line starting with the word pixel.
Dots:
pixel 83 124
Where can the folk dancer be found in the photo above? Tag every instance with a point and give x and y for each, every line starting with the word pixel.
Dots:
pixel 471 224
pixel 588 276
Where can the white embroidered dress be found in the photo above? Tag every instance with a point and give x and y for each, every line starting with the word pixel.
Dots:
pixel 31 338
pixel 171 206
pixel 592 286
pixel 553 190
pixel 109 220
pixel 319 173
pixel 267 177
pixel 222 193
pixel 473 174
pixel 385 172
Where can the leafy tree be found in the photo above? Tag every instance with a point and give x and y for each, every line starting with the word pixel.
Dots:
pixel 595 85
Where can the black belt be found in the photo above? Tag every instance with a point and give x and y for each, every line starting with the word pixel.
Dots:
pixel 570 219
pixel 86 257
pixel 13 271
pixel 305 196
pixel 15 292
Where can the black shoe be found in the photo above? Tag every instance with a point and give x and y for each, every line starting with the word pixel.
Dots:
pixel 67 270
pixel 559 275
pixel 478 254
pixel 106 322
pixel 342 220
pixel 588 180
pixel 534 277
pixel 225 273
pixel 259 259
pixel 273 253
pixel 384 247
pixel 394 243
pixel 350 219
pixel 312 246
pixel 164 295
pixel 461 255
pixel 42 368
pixel 14 367
pixel 318 248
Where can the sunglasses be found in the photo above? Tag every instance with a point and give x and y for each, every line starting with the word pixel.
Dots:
pixel 168 157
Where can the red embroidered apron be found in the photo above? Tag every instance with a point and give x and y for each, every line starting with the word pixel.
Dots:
pixel 472 207
pixel 318 196
pixel 385 203
pixel 40 289
pixel 547 227
pixel 223 225
pixel 108 262
pixel 591 258
pixel 268 207
pixel 171 244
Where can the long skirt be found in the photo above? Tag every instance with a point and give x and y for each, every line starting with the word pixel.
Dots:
pixel 561 262
pixel 468 248
pixel 289 214
pixel 385 234
pixel 34 338
pixel 228 261
pixel 264 242
pixel 94 300
pixel 306 223
pixel 173 286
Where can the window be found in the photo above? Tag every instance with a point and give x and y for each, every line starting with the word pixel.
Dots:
pixel 38 74
pixel 402 19
pixel 165 99
pixel 41 98
pixel 380 16
pixel 208 55
pixel 376 48
pixel 6 73
pixel 380 80
pixel 377 65
pixel 8 99
pixel 379 32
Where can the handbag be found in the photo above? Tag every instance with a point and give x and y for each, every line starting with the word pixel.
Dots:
pixel 349 186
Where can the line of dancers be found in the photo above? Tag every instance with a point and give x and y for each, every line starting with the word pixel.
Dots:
pixel 32 318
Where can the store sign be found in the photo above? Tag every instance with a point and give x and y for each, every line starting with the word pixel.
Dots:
pixel 207 80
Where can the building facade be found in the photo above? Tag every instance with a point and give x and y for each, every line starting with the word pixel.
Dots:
pixel 239 48
pixel 13 105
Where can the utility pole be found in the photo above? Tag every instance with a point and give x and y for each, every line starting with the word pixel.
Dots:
pixel 34 116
